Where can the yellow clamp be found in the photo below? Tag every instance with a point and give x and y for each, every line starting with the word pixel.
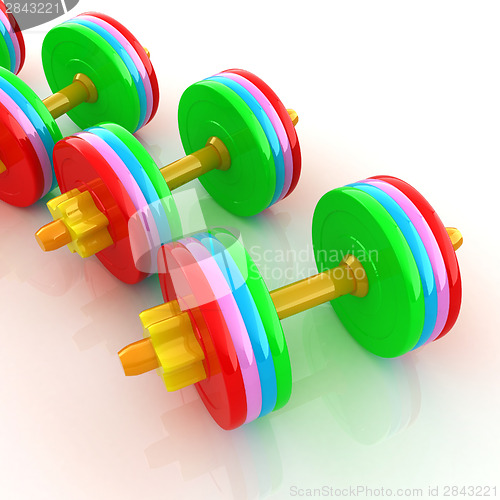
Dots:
pixel 173 347
pixel 77 223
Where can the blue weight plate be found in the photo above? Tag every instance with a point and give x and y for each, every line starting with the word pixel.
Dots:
pixel 419 253
pixel 33 116
pixel 120 50
pixel 10 48
pixel 267 126
pixel 142 179
pixel 251 317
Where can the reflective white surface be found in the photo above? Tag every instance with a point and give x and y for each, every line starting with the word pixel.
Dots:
pixel 395 88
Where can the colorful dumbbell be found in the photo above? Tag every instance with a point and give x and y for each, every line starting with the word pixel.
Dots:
pixel 386 262
pixel 240 141
pixel 104 74
pixel 12 50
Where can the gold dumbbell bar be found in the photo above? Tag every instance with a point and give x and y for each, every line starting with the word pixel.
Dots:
pixel 81 90
pixel 58 233
pixel 171 344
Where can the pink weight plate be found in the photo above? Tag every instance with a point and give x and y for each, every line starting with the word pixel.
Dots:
pixel 34 138
pixel 15 42
pixel 133 55
pixel 143 233
pixel 285 120
pixel 223 391
pixel 276 122
pixel 79 165
pixel 21 183
pixel 235 324
pixel 141 52
pixel 432 248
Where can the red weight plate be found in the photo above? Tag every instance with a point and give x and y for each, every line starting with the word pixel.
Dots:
pixel 20 38
pixel 285 118
pixel 22 183
pixel 78 165
pixel 140 52
pixel 223 391
pixel 444 242
pixel 19 35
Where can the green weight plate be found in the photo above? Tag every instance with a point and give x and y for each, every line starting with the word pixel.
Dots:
pixel 5 61
pixel 267 311
pixel 36 103
pixel 389 320
pixel 210 109
pixel 154 175
pixel 69 49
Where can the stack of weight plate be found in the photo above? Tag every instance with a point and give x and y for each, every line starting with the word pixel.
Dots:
pixel 415 287
pixel 107 53
pixel 213 278
pixel 12 51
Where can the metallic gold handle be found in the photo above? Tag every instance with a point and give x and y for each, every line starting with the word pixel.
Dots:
pixel 213 156
pixel 81 90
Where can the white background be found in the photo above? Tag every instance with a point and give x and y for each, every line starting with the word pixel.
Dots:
pixel 402 88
